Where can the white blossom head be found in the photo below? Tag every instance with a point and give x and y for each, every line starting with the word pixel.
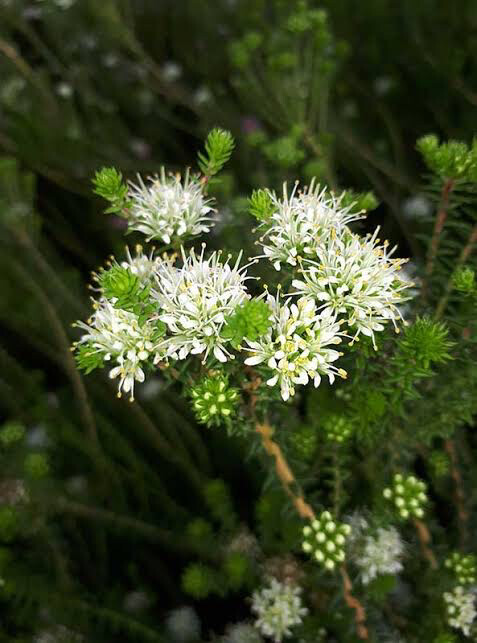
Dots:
pixel 301 223
pixel 297 346
pixel 356 278
pixel 278 608
pixel 380 554
pixel 168 208
pixel 118 336
pixel 460 606
pixel 195 301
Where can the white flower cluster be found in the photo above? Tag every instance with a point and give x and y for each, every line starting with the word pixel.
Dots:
pixel 117 335
pixel 297 346
pixel 380 554
pixel 461 610
pixel 355 277
pixel 278 609
pixel 301 223
pixel 168 208
pixel 195 301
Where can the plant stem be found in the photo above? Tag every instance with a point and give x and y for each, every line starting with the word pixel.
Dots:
pixel 464 255
pixel 436 235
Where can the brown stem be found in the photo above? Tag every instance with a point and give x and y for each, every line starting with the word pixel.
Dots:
pixel 462 513
pixel 425 539
pixel 436 235
pixel 304 510
pixel 353 603
pixel 464 255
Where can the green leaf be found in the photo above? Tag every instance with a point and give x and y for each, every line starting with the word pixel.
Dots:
pixel 218 149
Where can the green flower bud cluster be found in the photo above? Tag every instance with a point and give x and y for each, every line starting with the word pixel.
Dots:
pixel 11 432
pixel 36 465
pixel 464 281
pixel 408 496
pixel 337 428
pixel 325 540
pixel 213 400
pixel 250 320
pixel 463 566
pixel 304 441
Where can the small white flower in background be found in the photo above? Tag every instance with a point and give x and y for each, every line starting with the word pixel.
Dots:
pixel 183 624
pixel 64 90
pixel 301 223
pixel 357 278
pixel 171 71
pixel 118 336
pixel 417 206
pixel 381 554
pixel 241 633
pixel 195 301
pixel 296 347
pixel 58 634
pixel 168 207
pixel 461 612
pixel 278 608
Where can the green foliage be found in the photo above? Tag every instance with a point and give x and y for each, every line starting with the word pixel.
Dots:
pixel 88 358
pixel 236 568
pixel 358 201
pixel 251 320
pixel 214 401
pixel 11 432
pixel 425 342
pixel 260 205
pixel 220 503
pixel 439 464
pixel 199 581
pixel 464 281
pixel 108 183
pixel 8 524
pixel 450 160
pixel 219 146
pixel 36 466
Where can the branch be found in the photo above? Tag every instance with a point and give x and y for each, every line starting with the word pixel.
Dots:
pixel 425 539
pixel 462 513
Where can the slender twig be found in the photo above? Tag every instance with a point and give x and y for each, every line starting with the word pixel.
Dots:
pixel 436 234
pixel 425 539
pixel 462 513
pixel 464 255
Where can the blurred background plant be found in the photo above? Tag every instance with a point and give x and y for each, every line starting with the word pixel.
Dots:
pixel 116 518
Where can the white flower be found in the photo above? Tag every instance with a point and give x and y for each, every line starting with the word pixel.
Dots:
pixel 381 554
pixel 195 302
pixel 295 347
pixel 356 278
pixel 183 624
pixel 142 265
pixel 117 335
pixel 169 208
pixel 301 223
pixel 461 610
pixel 278 608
